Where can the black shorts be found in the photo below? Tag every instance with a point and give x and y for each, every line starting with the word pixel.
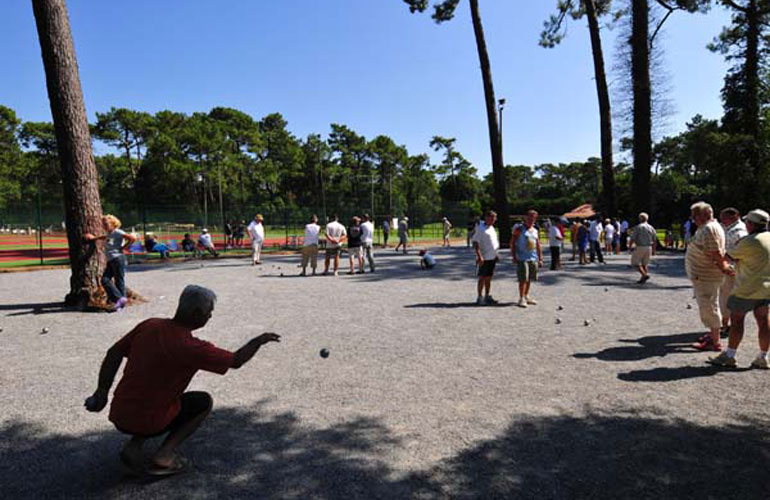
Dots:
pixel 487 268
pixel 193 404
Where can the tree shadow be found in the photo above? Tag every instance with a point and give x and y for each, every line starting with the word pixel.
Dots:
pixel 648 347
pixel 36 308
pixel 243 453
pixel 610 457
pixel 238 453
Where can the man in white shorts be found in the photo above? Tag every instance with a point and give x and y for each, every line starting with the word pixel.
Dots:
pixel 643 242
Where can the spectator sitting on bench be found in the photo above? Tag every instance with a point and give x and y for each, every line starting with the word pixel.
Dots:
pixel 188 244
pixel 152 245
pixel 204 242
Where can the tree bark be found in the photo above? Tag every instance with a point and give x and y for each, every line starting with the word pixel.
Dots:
pixel 80 178
pixel 751 105
pixel 495 141
pixel 642 91
pixel 609 195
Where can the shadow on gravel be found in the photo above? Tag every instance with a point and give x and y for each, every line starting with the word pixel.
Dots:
pixel 454 305
pixel 245 454
pixel 672 374
pixel 238 453
pixel 39 308
pixel 654 346
pixel 608 457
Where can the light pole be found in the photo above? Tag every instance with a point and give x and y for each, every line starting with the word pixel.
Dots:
pixel 202 179
pixel 500 106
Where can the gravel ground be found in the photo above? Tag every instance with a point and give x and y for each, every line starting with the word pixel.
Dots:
pixel 423 396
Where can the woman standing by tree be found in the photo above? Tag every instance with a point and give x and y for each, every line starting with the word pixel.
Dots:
pixel 115 270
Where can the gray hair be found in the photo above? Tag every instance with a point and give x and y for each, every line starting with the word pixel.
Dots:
pixel 195 298
pixel 643 217
pixel 702 206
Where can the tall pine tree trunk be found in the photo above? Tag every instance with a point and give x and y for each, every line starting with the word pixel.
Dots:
pixel 495 141
pixel 80 178
pixel 642 91
pixel 754 194
pixel 609 196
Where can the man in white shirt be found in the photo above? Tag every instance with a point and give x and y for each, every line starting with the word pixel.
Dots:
pixel 205 241
pixel 447 231
pixel 310 246
pixel 367 240
pixel 555 239
pixel 735 229
pixel 485 246
pixel 335 235
pixel 594 235
pixel 257 234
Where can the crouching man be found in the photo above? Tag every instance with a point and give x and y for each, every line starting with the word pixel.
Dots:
pixel 150 400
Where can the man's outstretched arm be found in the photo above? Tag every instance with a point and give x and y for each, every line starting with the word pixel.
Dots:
pixel 245 353
pixel 110 366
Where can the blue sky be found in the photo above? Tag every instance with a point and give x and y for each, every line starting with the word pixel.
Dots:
pixel 368 64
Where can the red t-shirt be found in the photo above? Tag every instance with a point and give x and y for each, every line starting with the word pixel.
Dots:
pixel 162 357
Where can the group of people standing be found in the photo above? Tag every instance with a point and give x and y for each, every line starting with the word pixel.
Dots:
pixel 526 253
pixel 728 264
pixel 359 236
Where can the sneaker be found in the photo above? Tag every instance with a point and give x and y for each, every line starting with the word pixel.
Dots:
pixel 480 301
pixel 336 273
pixel 724 332
pixel 761 363
pixel 722 360
pixel 708 345
pixel 530 300
pixel 644 279
pixel 522 302
pixel 121 303
pixel 490 301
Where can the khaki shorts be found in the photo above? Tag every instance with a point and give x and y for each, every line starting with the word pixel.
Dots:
pixel 526 271
pixel 332 251
pixel 641 256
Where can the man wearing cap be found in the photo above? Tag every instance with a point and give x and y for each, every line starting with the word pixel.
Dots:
pixel 735 229
pixel 257 234
pixel 703 262
pixel 752 290
pixel 643 242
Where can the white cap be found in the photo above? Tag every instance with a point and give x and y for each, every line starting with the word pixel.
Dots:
pixel 757 216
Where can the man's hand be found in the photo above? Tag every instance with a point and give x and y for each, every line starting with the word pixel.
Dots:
pixel 97 402
pixel 266 337
pixel 479 260
pixel 245 353
pixel 540 263
pixel 89 237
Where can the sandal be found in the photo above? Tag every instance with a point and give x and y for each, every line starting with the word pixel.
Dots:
pixel 709 345
pixel 178 465
pixel 131 464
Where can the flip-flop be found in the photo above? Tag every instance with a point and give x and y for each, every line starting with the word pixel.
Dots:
pixel 178 465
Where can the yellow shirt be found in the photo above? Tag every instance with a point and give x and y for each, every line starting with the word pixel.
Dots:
pixel 753 269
